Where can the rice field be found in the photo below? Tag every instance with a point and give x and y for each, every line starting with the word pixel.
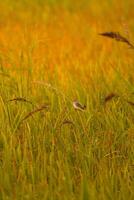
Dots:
pixel 52 54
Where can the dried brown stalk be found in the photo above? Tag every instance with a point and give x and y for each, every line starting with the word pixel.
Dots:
pixel 118 37
pixel 34 111
pixel 20 99
pixel 110 97
pixel 131 103
pixel 67 122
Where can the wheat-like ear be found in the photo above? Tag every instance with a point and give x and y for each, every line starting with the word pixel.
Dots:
pixel 67 122
pixel 20 99
pixel 109 97
pixel 130 103
pixel 34 111
pixel 118 37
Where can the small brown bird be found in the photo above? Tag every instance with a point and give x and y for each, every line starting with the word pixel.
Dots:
pixel 78 106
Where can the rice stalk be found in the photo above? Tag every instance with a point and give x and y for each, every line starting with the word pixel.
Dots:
pixel 20 99
pixel 109 97
pixel 30 114
pixel 118 37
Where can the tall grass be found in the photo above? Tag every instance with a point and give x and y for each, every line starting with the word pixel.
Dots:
pixel 49 150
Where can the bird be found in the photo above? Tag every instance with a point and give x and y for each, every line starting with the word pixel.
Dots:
pixel 78 106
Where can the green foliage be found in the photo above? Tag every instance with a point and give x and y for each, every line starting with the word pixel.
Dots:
pixel 58 152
